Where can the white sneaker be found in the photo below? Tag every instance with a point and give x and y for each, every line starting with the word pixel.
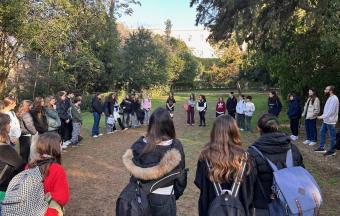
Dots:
pixel 63 147
pixel 241 129
pixel 312 143
pixel 294 138
pixel 306 142
pixel 94 136
pixel 126 129
pixel 67 143
pixel 111 132
pixel 100 134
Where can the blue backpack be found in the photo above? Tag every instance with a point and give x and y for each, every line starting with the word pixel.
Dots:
pixel 295 191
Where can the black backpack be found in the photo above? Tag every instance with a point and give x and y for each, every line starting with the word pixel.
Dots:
pixel 227 202
pixel 133 200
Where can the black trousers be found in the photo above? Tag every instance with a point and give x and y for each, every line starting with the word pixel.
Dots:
pixel 202 118
pixel 65 130
pixel 233 114
pixel 294 126
pixel 120 125
pixel 25 146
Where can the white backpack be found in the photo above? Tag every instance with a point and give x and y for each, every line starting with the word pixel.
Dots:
pixel 25 195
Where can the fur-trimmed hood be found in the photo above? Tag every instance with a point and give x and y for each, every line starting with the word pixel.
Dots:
pixel 168 162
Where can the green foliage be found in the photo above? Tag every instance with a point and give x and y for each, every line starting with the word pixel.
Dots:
pixel 297 42
pixel 145 61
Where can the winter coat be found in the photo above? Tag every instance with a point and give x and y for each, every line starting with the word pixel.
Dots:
pixel 62 109
pixel 76 114
pixel 274 106
pixel 207 191
pixel 153 166
pixel 126 105
pixel 53 119
pixel 231 105
pixel 220 107
pixel 274 146
pixel 40 121
pixel 96 105
pixel 311 110
pixel 27 124
pixel 8 156
pixel 294 109
pixel 135 106
pixel 201 106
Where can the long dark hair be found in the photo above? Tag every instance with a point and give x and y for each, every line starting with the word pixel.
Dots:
pixel 224 150
pixel 5 120
pixel 314 96
pixel 48 148
pixel 109 98
pixel 161 128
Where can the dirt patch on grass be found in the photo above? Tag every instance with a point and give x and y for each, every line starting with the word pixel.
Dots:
pixel 97 176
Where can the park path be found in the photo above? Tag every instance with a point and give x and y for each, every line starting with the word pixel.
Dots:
pixel 97 176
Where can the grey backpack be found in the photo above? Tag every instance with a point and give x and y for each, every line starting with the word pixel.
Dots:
pixel 25 195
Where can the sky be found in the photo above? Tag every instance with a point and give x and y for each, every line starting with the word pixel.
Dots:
pixel 153 13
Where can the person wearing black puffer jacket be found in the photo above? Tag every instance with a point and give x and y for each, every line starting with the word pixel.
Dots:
pixel 97 110
pixel 294 114
pixel 153 157
pixel 274 145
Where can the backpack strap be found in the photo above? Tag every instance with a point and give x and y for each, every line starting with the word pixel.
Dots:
pixel 289 158
pixel 271 164
pixel 217 186
pixel 3 171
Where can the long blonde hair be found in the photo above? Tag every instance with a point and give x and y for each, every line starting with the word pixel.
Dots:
pixel 224 150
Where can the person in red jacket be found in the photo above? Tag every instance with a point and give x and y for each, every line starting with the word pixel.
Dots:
pixel 55 180
pixel 220 107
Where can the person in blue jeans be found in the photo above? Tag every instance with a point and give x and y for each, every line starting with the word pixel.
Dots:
pixel 310 113
pixel 97 109
pixel 330 118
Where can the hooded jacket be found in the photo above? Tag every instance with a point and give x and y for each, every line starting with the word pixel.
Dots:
pixel 53 119
pixel 294 109
pixel 153 166
pixel 231 105
pixel 274 146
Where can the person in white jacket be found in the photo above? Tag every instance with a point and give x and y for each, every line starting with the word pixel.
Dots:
pixel 330 118
pixel 249 112
pixel 15 132
pixel 310 113
pixel 240 109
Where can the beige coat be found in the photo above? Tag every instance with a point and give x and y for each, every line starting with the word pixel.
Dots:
pixel 312 110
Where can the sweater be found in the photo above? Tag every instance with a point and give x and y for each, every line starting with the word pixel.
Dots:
pixel 294 109
pixel 147 104
pixel 311 110
pixel 241 106
pixel 331 110
pixel 249 109
pixel 220 107
pixel 15 130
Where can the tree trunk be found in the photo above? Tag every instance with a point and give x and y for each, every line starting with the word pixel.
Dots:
pixel 36 76
pixel 48 75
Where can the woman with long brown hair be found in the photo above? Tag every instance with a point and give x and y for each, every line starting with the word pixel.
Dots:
pixel 39 115
pixel 27 128
pixel 54 176
pixel 224 153
pixel 154 157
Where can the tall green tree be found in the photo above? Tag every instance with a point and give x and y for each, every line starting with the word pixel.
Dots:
pixel 144 61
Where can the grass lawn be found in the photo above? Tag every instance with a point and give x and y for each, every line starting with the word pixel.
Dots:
pixel 326 172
